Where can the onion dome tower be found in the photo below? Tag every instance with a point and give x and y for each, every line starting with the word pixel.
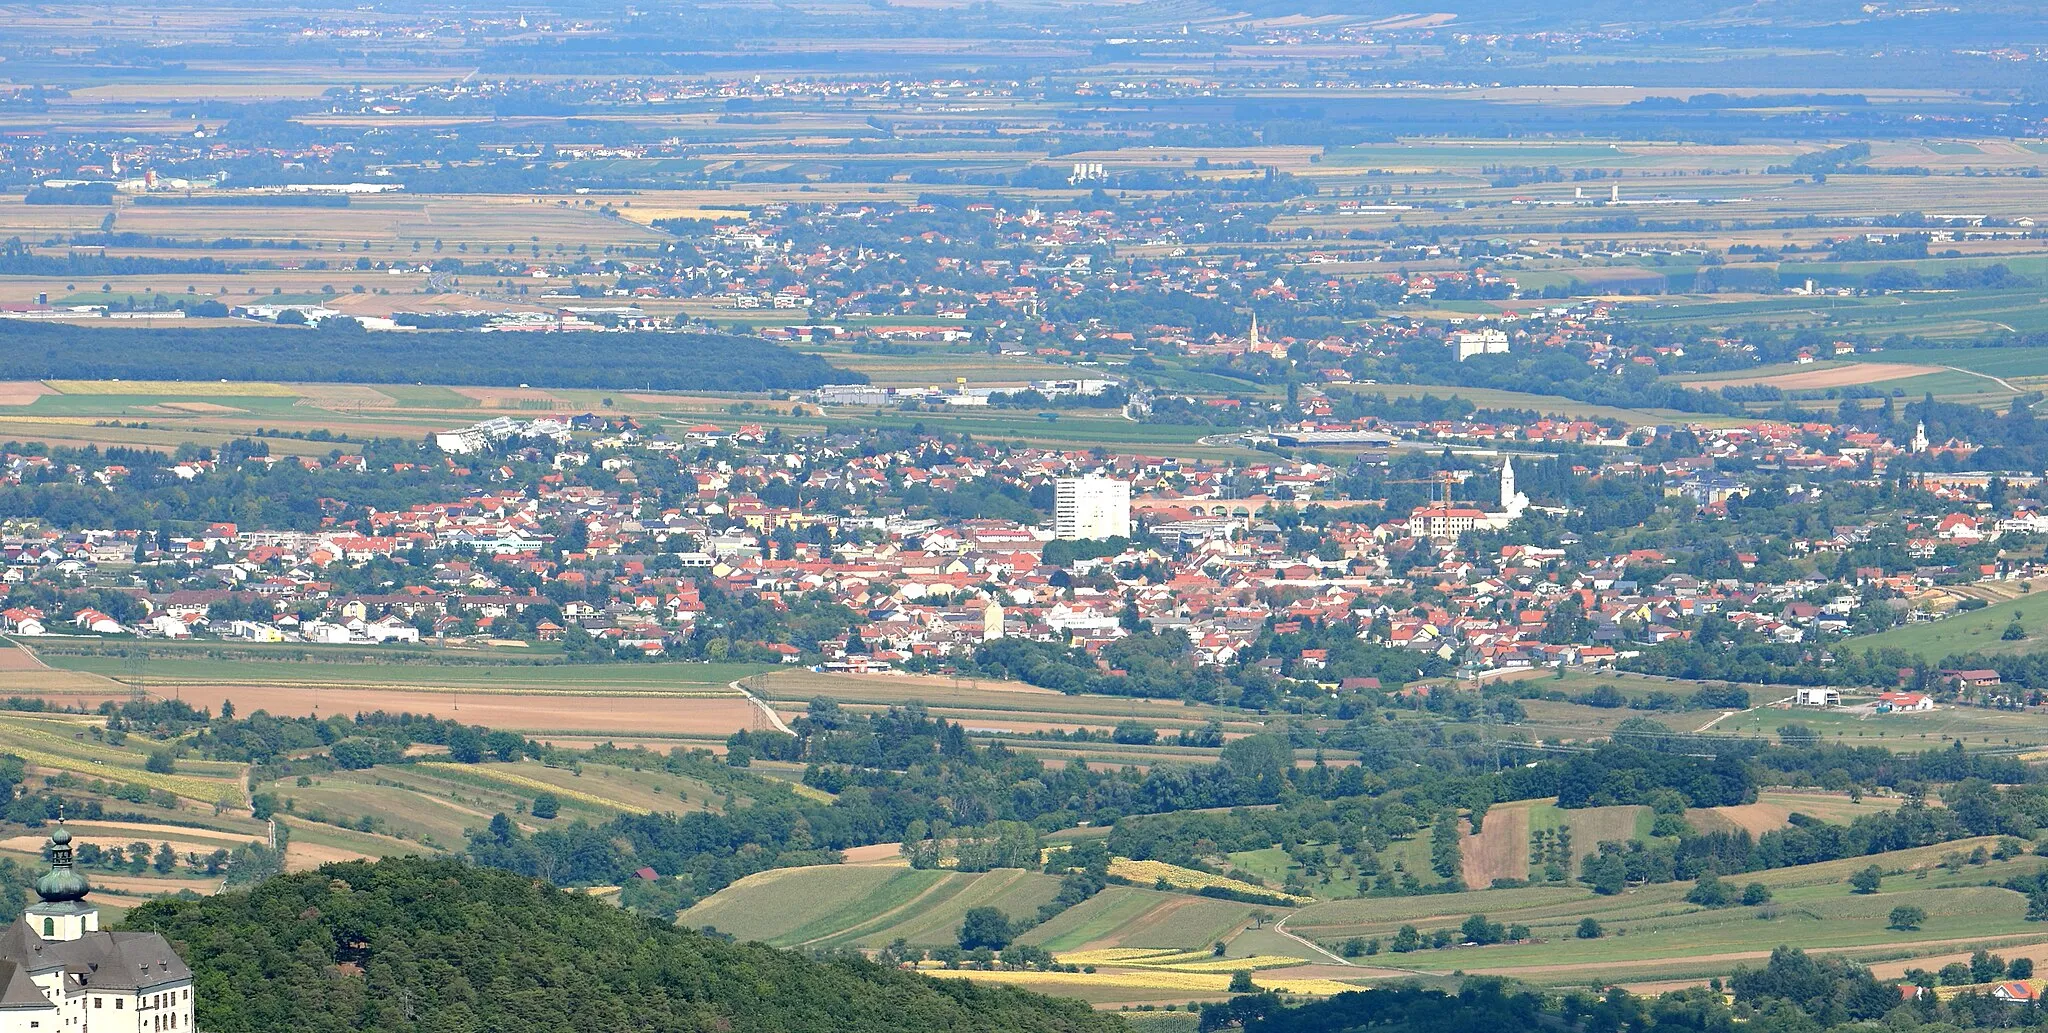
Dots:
pixel 62 913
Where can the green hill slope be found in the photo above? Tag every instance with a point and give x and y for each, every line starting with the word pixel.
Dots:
pixel 409 945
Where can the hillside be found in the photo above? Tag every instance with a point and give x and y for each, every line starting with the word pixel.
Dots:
pixel 407 944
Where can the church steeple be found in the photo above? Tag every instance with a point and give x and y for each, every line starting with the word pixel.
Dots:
pixel 60 884
pixel 62 913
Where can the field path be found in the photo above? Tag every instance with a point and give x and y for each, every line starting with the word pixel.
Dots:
pixel 1281 928
pixel 2000 381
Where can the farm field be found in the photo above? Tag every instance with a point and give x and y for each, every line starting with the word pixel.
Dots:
pixel 865 905
pixel 1651 934
pixel 1977 727
pixel 1973 631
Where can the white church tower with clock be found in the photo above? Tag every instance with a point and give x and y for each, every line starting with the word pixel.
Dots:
pixel 61 973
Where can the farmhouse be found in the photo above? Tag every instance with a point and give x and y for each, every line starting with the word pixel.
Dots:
pixel 1903 703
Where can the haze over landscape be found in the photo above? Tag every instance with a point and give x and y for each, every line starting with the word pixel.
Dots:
pixel 1017 515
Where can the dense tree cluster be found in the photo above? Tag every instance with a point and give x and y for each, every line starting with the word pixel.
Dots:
pixel 410 946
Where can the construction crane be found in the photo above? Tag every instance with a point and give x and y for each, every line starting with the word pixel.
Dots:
pixel 1443 478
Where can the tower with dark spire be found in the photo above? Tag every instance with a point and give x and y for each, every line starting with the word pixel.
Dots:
pixel 59 971
pixel 62 913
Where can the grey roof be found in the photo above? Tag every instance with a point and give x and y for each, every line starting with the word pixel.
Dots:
pixel 99 960
pixel 17 990
pixel 122 961
pixel 19 944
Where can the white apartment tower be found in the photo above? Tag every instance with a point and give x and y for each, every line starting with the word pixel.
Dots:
pixel 1091 508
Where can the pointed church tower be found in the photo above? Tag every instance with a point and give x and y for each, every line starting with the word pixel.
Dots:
pixel 1512 502
pixel 1253 345
pixel 62 913
pixel 1920 437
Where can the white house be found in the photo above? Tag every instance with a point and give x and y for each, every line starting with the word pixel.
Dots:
pixel 391 629
pixel 1817 696
pixel 325 633
pixel 96 622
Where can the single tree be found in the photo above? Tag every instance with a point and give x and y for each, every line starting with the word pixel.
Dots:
pixel 1867 880
pixel 1906 918
pixel 1241 982
pixel 1590 929
pixel 985 927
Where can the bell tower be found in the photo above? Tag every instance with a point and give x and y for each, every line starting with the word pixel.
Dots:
pixel 62 913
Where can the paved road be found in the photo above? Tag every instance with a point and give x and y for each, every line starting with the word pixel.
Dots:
pixel 1281 928
pixel 766 710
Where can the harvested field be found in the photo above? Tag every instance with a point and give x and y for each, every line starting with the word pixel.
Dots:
pixel 33 844
pixel 303 857
pixel 22 392
pixel 512 398
pixel 528 714
pixel 174 388
pixel 1753 818
pixel 1501 850
pixel 1821 376
pixel 875 854
pixel 15 658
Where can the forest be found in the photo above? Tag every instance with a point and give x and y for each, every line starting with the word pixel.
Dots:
pixel 409 945
pixel 341 352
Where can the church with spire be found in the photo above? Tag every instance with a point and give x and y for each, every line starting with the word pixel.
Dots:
pixel 61 973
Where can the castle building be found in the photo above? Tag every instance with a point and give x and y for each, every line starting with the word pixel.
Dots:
pixel 1449 520
pixel 61 973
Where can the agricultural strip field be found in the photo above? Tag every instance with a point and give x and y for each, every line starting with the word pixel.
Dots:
pixel 1651 933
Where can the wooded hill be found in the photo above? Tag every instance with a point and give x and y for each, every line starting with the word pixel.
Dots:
pixel 340 353
pixel 421 945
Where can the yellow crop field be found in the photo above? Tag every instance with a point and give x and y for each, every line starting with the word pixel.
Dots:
pixel 210 388
pixel 1146 873
pixel 1174 961
pixel 105 762
pixel 811 792
pixel 523 782
pixel 189 788
pixel 1229 965
pixel 1116 955
pixel 1147 979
